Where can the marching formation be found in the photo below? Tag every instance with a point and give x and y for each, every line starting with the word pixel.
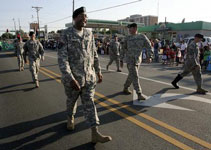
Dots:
pixel 79 64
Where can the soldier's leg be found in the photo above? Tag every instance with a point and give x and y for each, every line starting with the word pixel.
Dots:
pixel 71 105
pixel 118 64
pixel 135 78
pixel 37 66
pixel 90 112
pixel 129 77
pixel 19 61
pixel 33 70
pixel 197 76
pixel 110 62
pixel 22 61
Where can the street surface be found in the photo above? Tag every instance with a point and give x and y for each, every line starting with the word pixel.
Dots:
pixel 32 119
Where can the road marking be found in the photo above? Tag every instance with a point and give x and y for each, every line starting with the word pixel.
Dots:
pixel 158 122
pixel 161 82
pixel 148 79
pixel 159 100
pixel 145 126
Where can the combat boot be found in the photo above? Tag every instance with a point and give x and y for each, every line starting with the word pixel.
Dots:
pixel 37 84
pixel 201 91
pixel 98 137
pixel 107 67
pixel 127 91
pixel 141 97
pixel 176 80
pixel 70 123
pixel 22 68
pixel 118 70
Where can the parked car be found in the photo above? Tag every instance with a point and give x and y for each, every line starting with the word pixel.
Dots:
pixel 206 42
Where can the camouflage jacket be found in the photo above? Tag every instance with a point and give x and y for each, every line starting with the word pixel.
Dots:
pixel 33 49
pixel 114 49
pixel 78 58
pixel 19 48
pixel 192 56
pixel 132 48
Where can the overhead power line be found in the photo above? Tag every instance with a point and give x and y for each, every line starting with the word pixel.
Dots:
pixel 96 11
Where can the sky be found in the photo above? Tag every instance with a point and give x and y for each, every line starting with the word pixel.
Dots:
pixel 174 10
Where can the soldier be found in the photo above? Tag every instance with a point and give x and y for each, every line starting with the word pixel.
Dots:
pixel 34 49
pixel 79 64
pixel 114 51
pixel 19 52
pixel 192 65
pixel 132 48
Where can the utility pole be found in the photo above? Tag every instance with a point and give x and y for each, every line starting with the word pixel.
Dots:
pixel 38 21
pixel 73 9
pixel 14 25
pixel 19 24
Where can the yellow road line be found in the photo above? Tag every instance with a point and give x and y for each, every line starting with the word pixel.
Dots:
pixel 58 80
pixel 158 122
pixel 145 126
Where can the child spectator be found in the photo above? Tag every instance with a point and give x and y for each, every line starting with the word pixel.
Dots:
pixel 207 53
pixel 172 57
pixel 178 56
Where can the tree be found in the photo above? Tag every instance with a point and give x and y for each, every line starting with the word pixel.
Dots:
pixel 8 36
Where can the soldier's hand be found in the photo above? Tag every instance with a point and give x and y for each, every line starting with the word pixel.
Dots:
pixel 100 77
pixel 149 60
pixel 121 64
pixel 42 58
pixel 75 85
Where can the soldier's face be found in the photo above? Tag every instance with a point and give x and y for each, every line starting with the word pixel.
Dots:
pixel 198 39
pixel 81 20
pixel 133 30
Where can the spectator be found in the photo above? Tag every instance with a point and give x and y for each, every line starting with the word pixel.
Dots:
pixel 207 53
pixel 172 56
pixel 178 56
pixel 183 49
pixel 156 50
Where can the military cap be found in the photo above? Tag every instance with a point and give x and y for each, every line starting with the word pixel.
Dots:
pixel 200 36
pixel 132 25
pixel 79 11
pixel 31 33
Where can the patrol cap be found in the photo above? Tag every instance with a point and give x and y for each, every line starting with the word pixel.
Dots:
pixel 200 36
pixel 132 25
pixel 31 33
pixel 79 11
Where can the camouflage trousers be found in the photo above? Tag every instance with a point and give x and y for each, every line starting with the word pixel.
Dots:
pixel 133 77
pixel 20 61
pixel 34 67
pixel 87 98
pixel 196 74
pixel 115 58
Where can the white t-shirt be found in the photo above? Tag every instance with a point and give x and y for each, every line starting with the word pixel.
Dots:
pixel 183 46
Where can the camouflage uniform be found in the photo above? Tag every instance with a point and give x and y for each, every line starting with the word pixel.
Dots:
pixel 34 50
pixel 132 48
pixel 19 52
pixel 78 60
pixel 114 51
pixel 192 63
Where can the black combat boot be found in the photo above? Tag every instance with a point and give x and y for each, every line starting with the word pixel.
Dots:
pixel 177 79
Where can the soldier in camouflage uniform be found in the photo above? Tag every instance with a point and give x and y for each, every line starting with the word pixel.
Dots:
pixel 132 48
pixel 114 52
pixel 79 64
pixel 19 52
pixel 34 49
pixel 192 65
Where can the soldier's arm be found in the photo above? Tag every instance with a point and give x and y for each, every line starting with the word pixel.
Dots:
pixel 123 50
pixel 41 49
pixel 192 48
pixel 148 46
pixel 63 60
pixel 96 59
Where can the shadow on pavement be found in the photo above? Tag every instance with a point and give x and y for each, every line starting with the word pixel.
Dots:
pixel 9 71
pixel 56 132
pixel 6 55
pixel 87 146
pixel 23 89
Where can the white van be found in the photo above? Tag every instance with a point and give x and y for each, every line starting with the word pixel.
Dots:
pixel 190 39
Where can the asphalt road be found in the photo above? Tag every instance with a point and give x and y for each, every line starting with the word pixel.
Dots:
pixel 32 119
